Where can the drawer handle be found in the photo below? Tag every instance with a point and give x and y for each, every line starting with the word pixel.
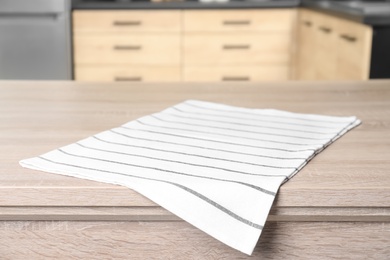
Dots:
pixel 128 79
pixel 127 47
pixel 307 23
pixel 236 22
pixel 127 23
pixel 236 47
pixel 236 78
pixel 348 38
pixel 325 29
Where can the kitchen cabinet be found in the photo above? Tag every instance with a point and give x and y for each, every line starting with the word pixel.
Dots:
pixel 127 45
pixel 218 45
pixel 354 50
pixel 183 45
pixel 331 48
pixel 317 43
pixel 305 61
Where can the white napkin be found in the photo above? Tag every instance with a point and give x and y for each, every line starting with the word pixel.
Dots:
pixel 217 167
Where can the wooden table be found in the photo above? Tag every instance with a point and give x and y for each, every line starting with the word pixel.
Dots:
pixel 338 206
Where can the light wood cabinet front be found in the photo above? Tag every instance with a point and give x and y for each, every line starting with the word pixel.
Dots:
pixel 200 45
pixel 135 49
pixel 270 20
pixel 325 50
pixel 126 21
pixel 236 73
pixel 237 45
pixel 203 44
pixel 127 45
pixel 332 48
pixel 354 51
pixel 236 49
pixel 305 62
pixel 128 73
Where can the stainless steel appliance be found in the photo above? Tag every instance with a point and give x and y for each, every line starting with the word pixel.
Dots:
pixel 35 39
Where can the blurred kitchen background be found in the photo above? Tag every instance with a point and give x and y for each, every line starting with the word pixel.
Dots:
pixel 194 41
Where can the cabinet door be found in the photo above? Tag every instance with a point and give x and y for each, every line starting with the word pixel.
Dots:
pixel 332 48
pixel 325 56
pixel 306 46
pixel 354 51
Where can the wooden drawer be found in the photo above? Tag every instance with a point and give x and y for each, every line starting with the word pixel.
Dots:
pixel 235 74
pixel 240 48
pixel 134 49
pixel 238 20
pixel 127 73
pixel 354 50
pixel 98 21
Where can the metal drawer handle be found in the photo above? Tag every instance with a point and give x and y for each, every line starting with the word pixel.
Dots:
pixel 236 47
pixel 128 79
pixel 236 22
pixel 307 23
pixel 325 29
pixel 348 38
pixel 127 47
pixel 127 23
pixel 236 78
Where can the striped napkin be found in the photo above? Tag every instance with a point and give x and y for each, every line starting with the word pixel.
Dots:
pixel 217 167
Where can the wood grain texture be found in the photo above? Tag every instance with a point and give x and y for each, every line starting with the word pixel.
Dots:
pixel 337 207
pixel 179 240
pixel 40 116
pixel 156 213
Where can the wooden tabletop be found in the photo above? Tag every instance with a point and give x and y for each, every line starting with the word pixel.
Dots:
pixel 350 180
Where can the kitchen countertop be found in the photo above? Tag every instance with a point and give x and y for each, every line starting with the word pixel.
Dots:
pixel 343 193
pixel 234 4
pixel 376 13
